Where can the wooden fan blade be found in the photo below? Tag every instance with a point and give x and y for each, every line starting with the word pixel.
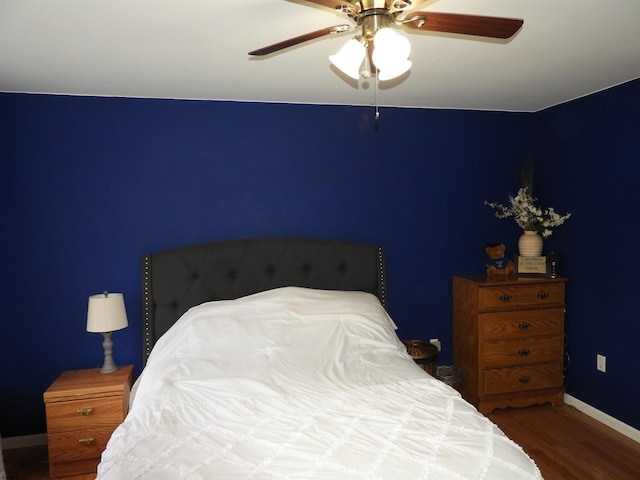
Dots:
pixel 495 27
pixel 300 39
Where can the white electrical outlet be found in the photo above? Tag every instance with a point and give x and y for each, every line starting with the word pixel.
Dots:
pixel 436 342
pixel 601 363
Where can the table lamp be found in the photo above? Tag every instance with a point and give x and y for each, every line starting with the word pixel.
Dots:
pixel 105 315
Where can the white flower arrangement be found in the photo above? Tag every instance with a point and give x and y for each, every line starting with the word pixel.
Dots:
pixel 523 209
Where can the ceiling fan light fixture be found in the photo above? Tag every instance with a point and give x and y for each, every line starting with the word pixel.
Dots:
pixel 350 57
pixel 391 51
pixel 386 52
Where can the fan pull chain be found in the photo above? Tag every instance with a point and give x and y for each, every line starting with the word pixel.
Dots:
pixel 377 117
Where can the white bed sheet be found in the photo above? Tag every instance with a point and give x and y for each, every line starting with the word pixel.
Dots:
pixel 297 383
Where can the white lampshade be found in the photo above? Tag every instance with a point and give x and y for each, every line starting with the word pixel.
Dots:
pixel 390 54
pixel 106 313
pixel 350 57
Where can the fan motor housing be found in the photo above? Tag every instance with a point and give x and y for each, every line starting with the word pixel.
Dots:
pixel 373 21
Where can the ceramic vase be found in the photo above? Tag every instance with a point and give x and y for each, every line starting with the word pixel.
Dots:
pixel 530 244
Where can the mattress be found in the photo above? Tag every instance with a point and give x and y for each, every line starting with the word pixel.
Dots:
pixel 296 383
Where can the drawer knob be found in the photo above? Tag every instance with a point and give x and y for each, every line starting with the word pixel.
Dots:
pixel 87 441
pixel 524 325
pixel 84 411
pixel 505 298
pixel 524 379
pixel 524 352
pixel 542 295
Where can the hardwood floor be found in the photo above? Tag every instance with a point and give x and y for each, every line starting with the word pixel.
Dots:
pixel 565 443
pixel 31 463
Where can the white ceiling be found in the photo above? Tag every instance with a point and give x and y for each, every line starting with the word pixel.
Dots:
pixel 197 49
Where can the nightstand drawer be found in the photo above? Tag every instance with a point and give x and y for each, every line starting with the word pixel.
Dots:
pixel 510 296
pixel 526 351
pixel 523 323
pixel 517 379
pixel 83 409
pixel 83 414
pixel 74 453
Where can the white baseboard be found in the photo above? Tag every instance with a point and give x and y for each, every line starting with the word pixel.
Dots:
pixel 24 441
pixel 608 420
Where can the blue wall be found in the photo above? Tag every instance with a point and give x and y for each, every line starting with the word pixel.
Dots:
pixel 90 184
pixel 588 154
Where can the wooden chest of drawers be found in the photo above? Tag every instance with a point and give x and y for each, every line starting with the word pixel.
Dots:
pixel 508 338
pixel 83 409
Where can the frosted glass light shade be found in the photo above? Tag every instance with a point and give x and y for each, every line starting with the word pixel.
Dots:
pixel 106 313
pixel 390 54
pixel 349 58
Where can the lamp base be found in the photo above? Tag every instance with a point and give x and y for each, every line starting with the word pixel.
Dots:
pixel 109 369
pixel 109 365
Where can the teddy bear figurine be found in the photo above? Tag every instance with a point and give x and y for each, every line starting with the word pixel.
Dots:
pixel 498 264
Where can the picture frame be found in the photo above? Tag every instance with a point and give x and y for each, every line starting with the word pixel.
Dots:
pixel 532 265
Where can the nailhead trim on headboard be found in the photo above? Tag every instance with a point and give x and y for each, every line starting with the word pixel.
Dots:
pixel 146 304
pixel 382 279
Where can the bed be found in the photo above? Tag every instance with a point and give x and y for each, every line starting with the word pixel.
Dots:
pixel 277 359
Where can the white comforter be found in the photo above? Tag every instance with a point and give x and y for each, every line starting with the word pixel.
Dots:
pixel 294 384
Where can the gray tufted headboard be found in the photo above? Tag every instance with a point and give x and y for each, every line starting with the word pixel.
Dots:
pixel 175 280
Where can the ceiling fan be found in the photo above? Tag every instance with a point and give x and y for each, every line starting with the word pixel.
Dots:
pixel 388 52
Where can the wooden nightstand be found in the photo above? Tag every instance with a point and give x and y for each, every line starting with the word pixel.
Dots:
pixel 508 338
pixel 83 409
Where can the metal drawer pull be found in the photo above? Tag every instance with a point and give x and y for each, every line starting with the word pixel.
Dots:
pixel 524 379
pixel 524 325
pixel 505 298
pixel 524 352
pixel 543 295
pixel 84 411
pixel 87 441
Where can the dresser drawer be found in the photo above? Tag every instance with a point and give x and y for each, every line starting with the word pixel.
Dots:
pixel 510 296
pixel 518 379
pixel 84 414
pixel 521 323
pixel 524 351
pixel 77 452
